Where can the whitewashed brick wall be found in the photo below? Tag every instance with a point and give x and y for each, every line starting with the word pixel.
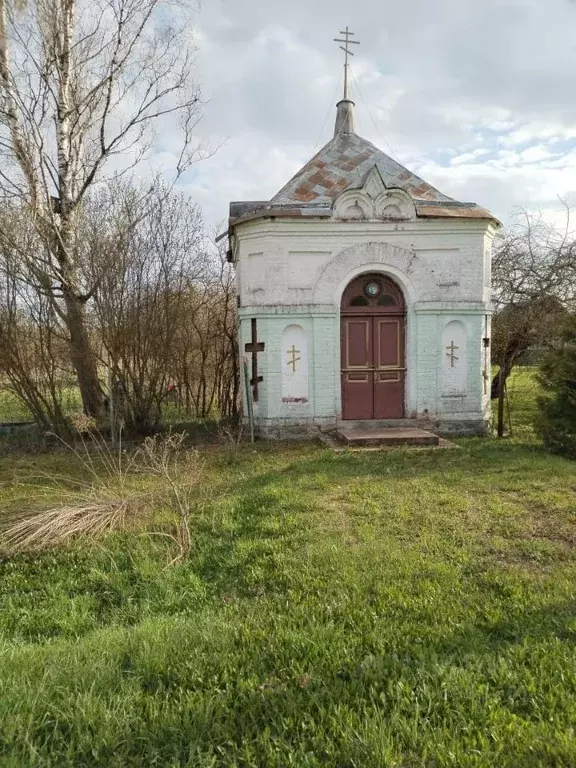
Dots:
pixel 295 272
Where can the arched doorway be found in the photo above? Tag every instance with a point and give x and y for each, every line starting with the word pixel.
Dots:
pixel 372 321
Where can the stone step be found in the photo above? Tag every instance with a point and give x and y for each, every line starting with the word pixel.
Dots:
pixel 351 435
pixel 425 424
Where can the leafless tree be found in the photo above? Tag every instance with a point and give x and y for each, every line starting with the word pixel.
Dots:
pixel 534 281
pixel 162 321
pixel 82 85
pixel 228 367
pixel 208 366
pixel 148 256
pixel 534 258
pixel 33 356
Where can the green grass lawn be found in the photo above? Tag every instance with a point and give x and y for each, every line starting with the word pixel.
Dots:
pixel 13 410
pixel 401 608
pixel 521 405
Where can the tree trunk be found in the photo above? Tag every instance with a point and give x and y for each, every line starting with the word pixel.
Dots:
pixel 82 356
pixel 501 396
pixel 500 378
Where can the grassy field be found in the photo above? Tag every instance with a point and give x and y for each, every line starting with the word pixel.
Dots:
pixel 403 608
pixel 13 410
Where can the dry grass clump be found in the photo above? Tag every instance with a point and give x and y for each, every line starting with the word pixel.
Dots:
pixel 179 473
pixel 59 525
pixel 109 500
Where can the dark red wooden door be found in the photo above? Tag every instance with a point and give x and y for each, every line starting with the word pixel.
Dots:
pixel 372 351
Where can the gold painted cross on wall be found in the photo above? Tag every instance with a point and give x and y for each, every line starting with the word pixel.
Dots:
pixel 295 353
pixel 450 353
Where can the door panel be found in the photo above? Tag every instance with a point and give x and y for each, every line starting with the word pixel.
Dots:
pixel 358 343
pixel 387 333
pixel 357 376
pixel 372 367
pixel 389 384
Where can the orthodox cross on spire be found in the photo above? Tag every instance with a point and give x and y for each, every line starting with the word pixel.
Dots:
pixel 347 42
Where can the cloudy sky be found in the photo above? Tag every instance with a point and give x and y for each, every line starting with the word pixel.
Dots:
pixel 478 98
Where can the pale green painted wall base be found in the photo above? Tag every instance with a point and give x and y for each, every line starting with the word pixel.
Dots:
pixel 467 413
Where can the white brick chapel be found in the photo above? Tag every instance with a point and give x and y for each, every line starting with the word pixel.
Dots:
pixel 363 294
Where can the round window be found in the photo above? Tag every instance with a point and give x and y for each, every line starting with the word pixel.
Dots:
pixel 372 289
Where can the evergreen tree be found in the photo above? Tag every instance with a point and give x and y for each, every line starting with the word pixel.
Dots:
pixel 557 420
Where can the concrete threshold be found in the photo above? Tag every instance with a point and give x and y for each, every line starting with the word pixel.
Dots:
pixel 385 436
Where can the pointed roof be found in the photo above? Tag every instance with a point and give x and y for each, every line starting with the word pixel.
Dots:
pixel 344 164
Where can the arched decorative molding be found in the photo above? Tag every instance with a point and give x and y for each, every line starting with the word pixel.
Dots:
pixel 372 200
pixel 394 204
pixel 388 259
pixel 454 359
pixel 294 364
pixel 354 204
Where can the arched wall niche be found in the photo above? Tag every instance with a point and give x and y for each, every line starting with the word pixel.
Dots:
pixel 294 364
pixel 454 359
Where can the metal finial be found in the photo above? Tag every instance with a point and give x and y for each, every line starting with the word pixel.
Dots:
pixel 347 42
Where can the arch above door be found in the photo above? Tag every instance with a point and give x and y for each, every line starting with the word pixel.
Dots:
pixel 372 293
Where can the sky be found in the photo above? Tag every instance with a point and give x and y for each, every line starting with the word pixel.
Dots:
pixel 478 98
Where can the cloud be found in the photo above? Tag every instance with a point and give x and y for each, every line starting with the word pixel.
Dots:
pixel 476 98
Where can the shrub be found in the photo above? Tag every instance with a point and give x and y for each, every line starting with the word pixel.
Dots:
pixel 120 491
pixel 557 421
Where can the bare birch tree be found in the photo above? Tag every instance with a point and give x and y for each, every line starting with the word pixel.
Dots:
pixel 82 85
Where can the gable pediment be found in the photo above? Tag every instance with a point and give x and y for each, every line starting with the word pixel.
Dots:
pixel 374 201
pixel 373 184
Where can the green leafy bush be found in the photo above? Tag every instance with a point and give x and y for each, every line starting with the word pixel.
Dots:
pixel 557 420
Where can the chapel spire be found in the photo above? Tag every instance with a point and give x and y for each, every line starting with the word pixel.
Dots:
pixel 345 116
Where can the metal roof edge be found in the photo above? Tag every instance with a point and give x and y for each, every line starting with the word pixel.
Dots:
pixel 423 211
